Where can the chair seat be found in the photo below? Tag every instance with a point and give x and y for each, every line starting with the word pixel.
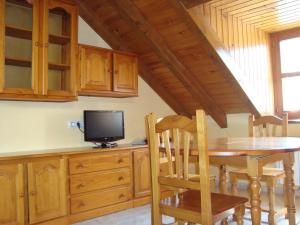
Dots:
pixel 190 201
pixel 274 173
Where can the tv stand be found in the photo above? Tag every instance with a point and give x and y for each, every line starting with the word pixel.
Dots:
pixel 106 145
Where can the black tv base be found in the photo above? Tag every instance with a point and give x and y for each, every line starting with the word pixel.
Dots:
pixel 106 145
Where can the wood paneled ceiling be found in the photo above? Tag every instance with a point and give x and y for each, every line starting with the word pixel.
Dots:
pixel 268 15
pixel 175 58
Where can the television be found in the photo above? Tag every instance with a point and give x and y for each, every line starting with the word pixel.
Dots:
pixel 103 126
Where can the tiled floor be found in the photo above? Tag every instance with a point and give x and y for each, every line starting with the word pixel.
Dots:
pixel 141 216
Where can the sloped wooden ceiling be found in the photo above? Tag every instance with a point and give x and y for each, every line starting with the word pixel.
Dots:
pixel 175 58
pixel 267 15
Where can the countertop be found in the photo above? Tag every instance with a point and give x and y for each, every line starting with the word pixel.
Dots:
pixel 65 151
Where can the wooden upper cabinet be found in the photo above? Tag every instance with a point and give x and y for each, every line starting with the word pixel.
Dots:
pixel 95 69
pixel 12 194
pixel 59 36
pixel 125 73
pixel 38 44
pixel 47 180
pixel 142 179
pixel 104 72
pixel 19 46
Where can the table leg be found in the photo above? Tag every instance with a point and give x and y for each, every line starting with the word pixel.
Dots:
pixel 222 179
pixel 254 173
pixel 290 188
pixel 255 201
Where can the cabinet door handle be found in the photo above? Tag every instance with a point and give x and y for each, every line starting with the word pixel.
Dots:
pixel 80 166
pixel 121 178
pixel 81 204
pixel 121 196
pixel 33 193
pixel 120 160
pixel 81 185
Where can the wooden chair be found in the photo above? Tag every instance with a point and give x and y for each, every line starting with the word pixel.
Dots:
pixel 165 170
pixel 264 126
pixel 189 196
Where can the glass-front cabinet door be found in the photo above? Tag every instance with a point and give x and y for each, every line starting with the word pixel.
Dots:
pixel 19 46
pixel 60 48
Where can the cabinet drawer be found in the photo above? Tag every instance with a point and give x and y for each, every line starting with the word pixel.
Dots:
pixel 99 162
pixel 99 180
pixel 100 199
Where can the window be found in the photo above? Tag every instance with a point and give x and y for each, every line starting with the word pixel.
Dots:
pixel 285 53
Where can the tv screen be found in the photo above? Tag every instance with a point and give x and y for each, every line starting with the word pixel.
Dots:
pixel 103 126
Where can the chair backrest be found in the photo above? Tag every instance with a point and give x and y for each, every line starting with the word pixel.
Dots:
pixel 266 126
pixel 182 130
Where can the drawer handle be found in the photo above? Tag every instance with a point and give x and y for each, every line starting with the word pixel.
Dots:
pixel 80 166
pixel 120 160
pixel 80 185
pixel 121 196
pixel 121 178
pixel 81 204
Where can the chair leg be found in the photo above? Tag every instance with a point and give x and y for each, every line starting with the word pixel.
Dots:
pixel 285 197
pixel 271 195
pixel 222 179
pixel 233 182
pixel 239 213
pixel 213 184
pixel 156 217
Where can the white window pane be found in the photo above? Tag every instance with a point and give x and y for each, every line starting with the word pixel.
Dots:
pixel 289 55
pixel 291 93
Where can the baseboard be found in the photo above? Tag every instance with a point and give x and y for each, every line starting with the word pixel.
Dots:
pixel 141 201
pixel 74 218
pixel 58 221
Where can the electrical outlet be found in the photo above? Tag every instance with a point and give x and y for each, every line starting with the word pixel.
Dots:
pixel 73 124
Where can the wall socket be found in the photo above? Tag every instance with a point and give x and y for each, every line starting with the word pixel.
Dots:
pixel 73 124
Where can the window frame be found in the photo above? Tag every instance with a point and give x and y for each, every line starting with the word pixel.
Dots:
pixel 275 39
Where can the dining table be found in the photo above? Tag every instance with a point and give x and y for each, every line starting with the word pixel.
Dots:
pixel 253 153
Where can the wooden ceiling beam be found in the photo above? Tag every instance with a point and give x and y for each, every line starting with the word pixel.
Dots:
pixel 132 15
pixel 98 25
pixel 116 43
pixel 212 52
pixel 192 3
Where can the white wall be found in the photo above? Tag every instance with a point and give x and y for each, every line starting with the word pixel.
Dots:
pixel 40 125
pixel 237 127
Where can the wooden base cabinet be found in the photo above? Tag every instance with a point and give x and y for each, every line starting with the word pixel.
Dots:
pixel 47 189
pixel 99 180
pixel 66 188
pixel 12 194
pixel 141 168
